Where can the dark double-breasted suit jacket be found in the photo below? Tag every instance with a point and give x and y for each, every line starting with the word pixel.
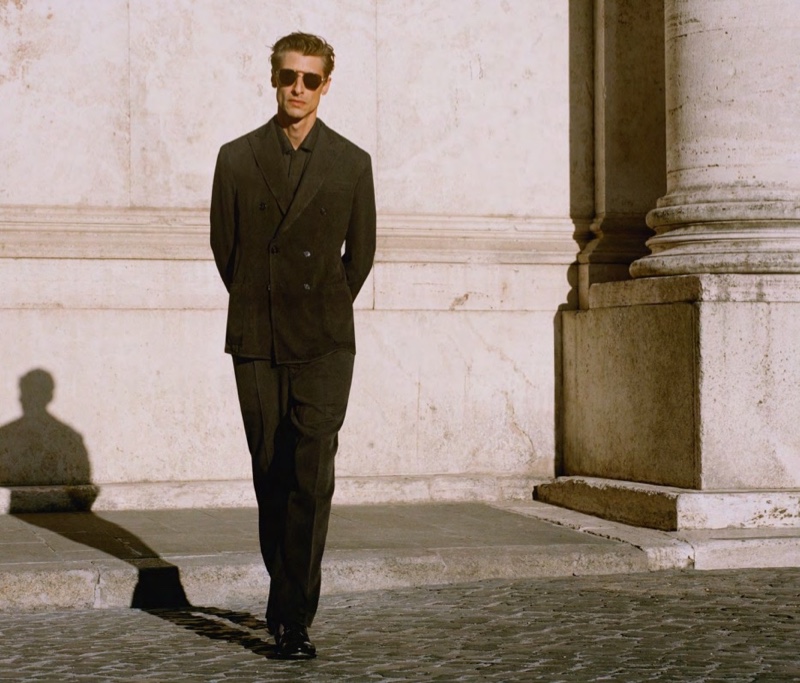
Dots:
pixel 292 271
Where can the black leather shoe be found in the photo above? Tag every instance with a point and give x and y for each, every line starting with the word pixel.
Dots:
pixel 293 643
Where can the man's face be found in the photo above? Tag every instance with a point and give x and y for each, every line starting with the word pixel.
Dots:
pixel 296 101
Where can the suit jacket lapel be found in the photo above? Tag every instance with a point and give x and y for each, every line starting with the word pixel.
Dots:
pixel 267 151
pixel 325 152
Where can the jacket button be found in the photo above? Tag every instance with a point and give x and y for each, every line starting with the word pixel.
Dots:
pixel 323 210
pixel 306 286
pixel 262 206
pixel 307 254
pixel 273 250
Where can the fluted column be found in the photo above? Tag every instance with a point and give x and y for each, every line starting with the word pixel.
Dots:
pixel 733 140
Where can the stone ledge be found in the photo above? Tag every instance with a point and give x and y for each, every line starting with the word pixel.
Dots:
pixel 220 579
pixel 66 285
pixel 742 552
pixel 239 493
pixel 663 550
pixel 695 289
pixel 182 234
pixel 205 556
pixel 671 509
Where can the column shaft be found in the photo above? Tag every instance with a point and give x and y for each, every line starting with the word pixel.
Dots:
pixel 733 152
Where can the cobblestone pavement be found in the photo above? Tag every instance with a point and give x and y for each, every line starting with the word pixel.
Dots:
pixel 694 626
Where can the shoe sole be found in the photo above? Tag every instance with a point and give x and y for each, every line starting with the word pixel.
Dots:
pixel 295 655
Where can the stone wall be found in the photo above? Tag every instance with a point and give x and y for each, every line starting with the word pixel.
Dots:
pixel 478 116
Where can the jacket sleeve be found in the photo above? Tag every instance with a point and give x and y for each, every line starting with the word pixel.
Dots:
pixel 223 217
pixel 359 249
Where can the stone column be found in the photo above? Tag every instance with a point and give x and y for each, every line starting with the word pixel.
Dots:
pixel 681 396
pixel 733 147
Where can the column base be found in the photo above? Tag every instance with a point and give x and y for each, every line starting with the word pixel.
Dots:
pixel 699 235
pixel 673 509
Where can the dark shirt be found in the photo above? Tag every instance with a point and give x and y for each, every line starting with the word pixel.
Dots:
pixel 295 160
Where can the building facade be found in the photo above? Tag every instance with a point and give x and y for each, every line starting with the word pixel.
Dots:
pixel 524 154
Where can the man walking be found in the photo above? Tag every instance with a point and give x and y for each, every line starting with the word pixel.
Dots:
pixel 293 236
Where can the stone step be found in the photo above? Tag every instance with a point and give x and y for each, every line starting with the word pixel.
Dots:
pixel 207 556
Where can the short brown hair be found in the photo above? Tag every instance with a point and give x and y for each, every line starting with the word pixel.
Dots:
pixel 306 44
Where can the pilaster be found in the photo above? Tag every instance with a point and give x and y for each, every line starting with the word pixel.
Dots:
pixel 629 137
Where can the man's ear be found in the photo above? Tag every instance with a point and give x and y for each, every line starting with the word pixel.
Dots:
pixel 273 80
pixel 326 86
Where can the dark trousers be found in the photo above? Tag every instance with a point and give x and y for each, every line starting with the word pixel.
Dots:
pixel 292 415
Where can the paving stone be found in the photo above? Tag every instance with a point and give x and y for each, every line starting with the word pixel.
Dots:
pixel 731 626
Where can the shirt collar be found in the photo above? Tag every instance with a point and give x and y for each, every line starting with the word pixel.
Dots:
pixel 308 142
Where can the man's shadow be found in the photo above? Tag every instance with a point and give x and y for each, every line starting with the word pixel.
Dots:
pixel 38 450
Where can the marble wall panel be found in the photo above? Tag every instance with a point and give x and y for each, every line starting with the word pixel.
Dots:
pixel 64 94
pixel 748 386
pixel 30 283
pixel 474 107
pixel 127 103
pixel 200 76
pixel 451 392
pixel 470 287
pixel 135 348
pixel 95 284
pixel 149 395
pixel 629 408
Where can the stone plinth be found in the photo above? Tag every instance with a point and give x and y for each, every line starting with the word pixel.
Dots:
pixel 700 392
pixel 688 380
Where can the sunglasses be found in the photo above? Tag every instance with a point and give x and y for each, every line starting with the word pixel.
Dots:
pixel 311 81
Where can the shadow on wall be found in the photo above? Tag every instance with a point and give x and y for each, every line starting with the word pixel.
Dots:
pixel 38 450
